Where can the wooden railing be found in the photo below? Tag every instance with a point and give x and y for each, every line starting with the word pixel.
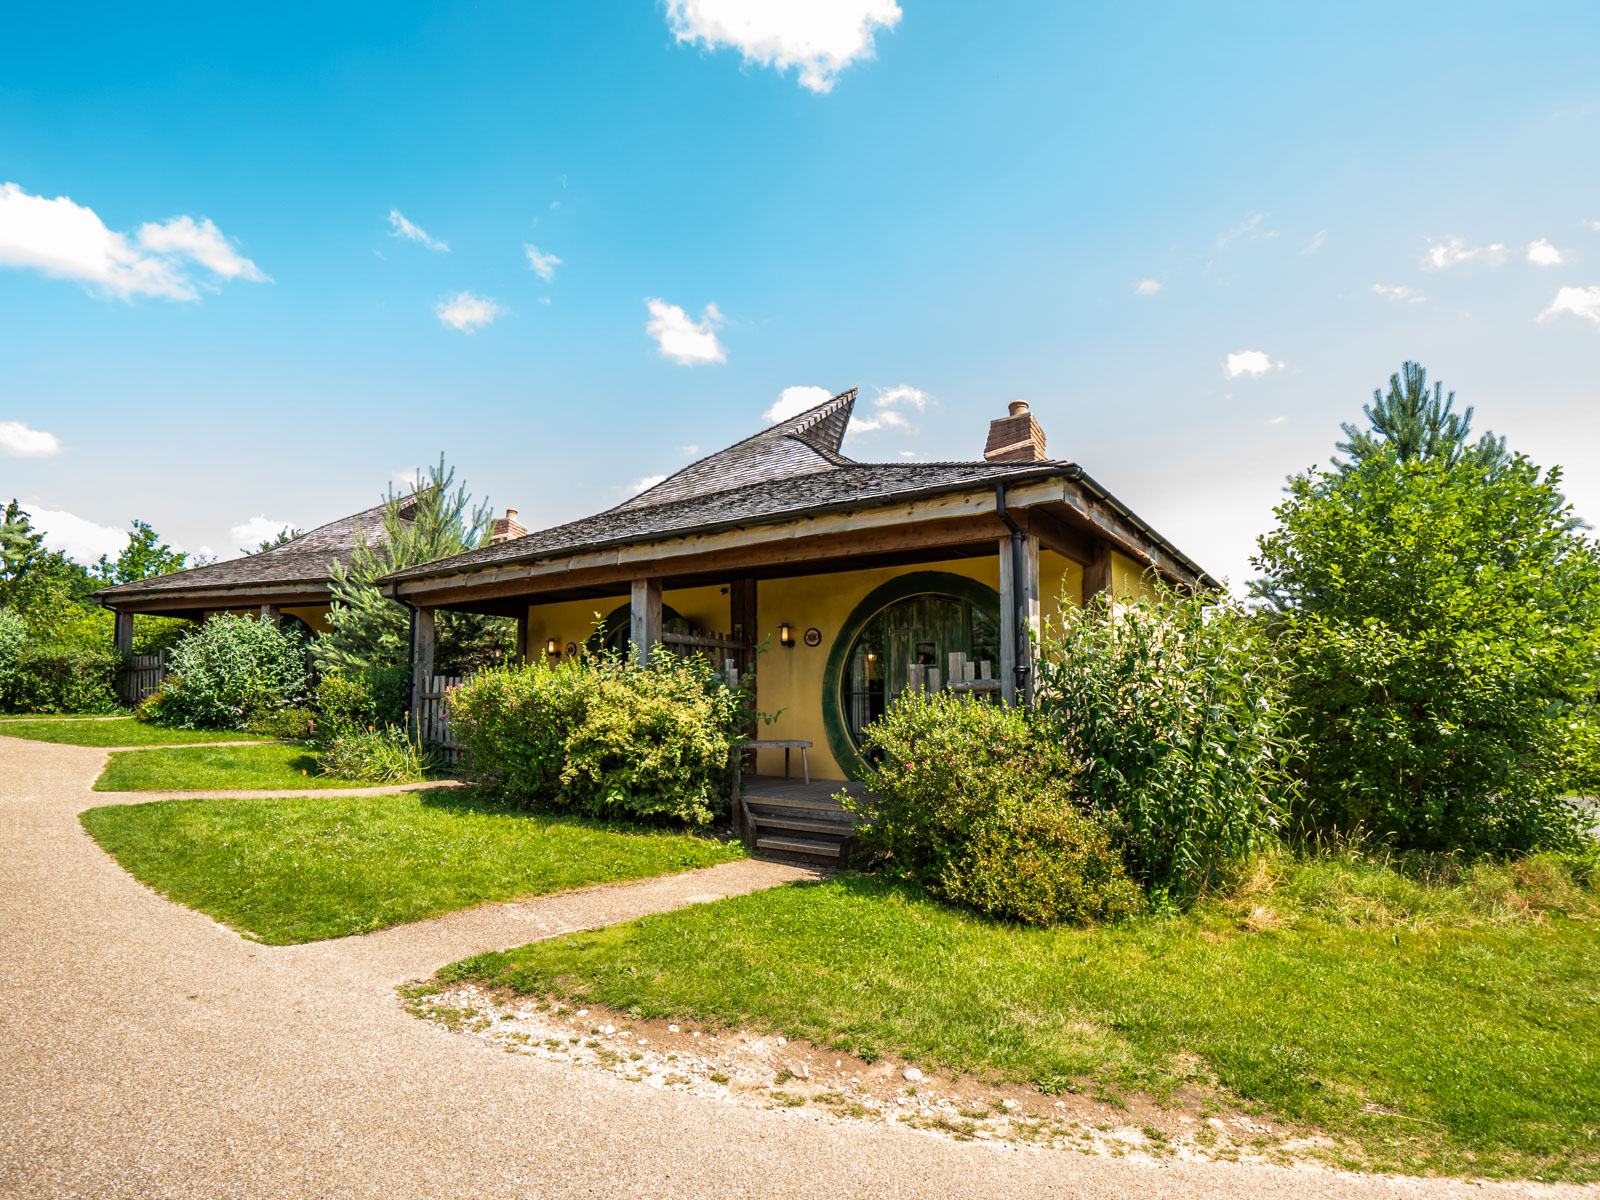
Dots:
pixel 141 675
pixel 432 718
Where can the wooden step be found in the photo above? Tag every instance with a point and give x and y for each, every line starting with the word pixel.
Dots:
pixel 834 828
pixel 788 845
pixel 781 802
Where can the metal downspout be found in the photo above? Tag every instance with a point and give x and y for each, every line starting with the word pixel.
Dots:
pixel 1024 647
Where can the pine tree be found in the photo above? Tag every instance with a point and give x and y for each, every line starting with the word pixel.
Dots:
pixel 434 520
pixel 21 546
pixel 1417 424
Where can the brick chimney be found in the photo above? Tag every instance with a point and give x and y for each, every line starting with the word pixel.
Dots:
pixel 505 528
pixel 1015 437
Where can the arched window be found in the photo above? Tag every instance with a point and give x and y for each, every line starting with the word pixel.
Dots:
pixel 918 620
pixel 617 630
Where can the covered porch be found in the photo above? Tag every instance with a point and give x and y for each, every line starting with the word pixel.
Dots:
pixel 790 601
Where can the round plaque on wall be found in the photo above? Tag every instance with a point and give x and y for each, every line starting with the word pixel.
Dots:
pixel 813 637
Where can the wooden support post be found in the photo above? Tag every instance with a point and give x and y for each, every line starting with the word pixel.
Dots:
pixel 1097 575
pixel 122 636
pixel 269 612
pixel 644 617
pixel 421 665
pixel 1019 614
pixel 522 636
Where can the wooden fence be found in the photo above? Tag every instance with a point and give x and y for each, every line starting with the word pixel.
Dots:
pixel 143 674
pixel 433 719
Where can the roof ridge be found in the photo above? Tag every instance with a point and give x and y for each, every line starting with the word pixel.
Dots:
pixel 819 429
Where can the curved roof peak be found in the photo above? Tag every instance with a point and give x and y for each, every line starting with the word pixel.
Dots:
pixel 803 444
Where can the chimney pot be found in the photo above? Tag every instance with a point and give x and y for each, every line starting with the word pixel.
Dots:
pixel 506 528
pixel 1015 438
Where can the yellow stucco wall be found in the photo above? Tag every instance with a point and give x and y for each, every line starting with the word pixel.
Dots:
pixel 1128 580
pixel 789 680
pixel 315 616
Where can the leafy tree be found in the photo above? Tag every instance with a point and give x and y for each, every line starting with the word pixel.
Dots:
pixel 1416 424
pixel 367 629
pixel 21 546
pixel 1442 616
pixel 145 556
pixel 282 537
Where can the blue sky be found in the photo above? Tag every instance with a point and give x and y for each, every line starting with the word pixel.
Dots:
pixel 1194 240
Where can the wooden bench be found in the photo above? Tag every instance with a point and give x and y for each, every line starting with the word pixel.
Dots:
pixel 785 746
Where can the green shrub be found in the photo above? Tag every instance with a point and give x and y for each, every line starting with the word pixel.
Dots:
pixel 384 755
pixel 1174 706
pixel 295 723
pixel 13 634
pixel 231 669
pixel 975 802
pixel 53 678
pixel 1443 624
pixel 602 736
pixel 361 698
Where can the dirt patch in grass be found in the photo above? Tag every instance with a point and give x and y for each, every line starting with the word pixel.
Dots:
pixel 769 1071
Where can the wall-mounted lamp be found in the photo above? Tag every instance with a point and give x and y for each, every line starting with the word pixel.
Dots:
pixel 552 647
pixel 786 635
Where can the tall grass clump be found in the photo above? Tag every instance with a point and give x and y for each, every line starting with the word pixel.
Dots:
pixel 1173 708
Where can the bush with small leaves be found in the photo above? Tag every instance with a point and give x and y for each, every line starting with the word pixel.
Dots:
pixel 975 803
pixel 232 669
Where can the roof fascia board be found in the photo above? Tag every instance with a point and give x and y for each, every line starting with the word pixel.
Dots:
pixel 951 499
pixel 665 551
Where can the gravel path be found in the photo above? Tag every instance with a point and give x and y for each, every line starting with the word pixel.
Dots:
pixel 146 1051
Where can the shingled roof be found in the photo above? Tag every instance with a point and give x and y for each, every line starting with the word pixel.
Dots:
pixel 307 559
pixel 791 468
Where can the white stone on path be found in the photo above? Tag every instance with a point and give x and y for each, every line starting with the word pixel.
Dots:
pixel 911 1074
pixel 672 1029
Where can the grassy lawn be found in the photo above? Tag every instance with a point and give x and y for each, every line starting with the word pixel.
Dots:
pixel 218 768
pixel 306 868
pixel 123 731
pixel 1435 1028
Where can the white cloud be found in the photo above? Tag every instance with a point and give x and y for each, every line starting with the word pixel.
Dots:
pixel 407 480
pixel 1147 287
pixel 69 241
pixel 1542 254
pixel 690 450
pixel 681 338
pixel 886 418
pixel 75 536
pixel 793 401
pixel 904 394
pixel 1451 252
pixel 542 265
pixel 820 37
pixel 1591 225
pixel 1580 302
pixel 645 484
pixel 1277 420
pixel 1249 362
pixel 203 242
pixel 1399 291
pixel 413 233
pixel 1248 229
pixel 258 529
pixel 19 441
pixel 467 312
pixel 889 403
pixel 1316 241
